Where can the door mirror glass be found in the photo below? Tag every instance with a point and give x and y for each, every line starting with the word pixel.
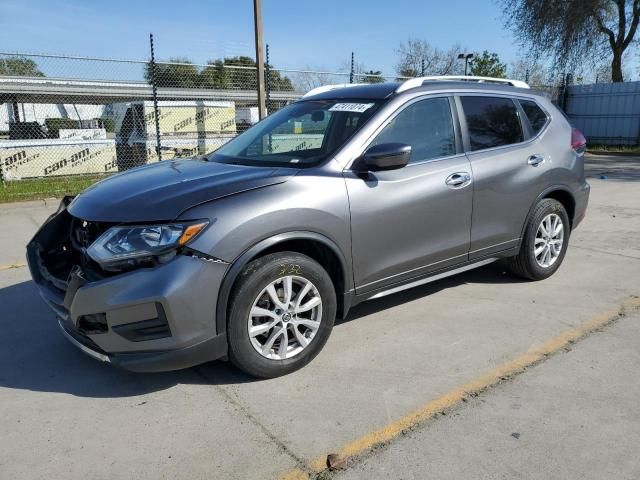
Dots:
pixel 386 156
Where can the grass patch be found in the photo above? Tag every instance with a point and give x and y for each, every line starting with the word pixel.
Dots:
pixel 39 188
pixel 613 149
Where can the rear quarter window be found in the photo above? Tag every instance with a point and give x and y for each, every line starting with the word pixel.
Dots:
pixel 536 116
pixel 491 121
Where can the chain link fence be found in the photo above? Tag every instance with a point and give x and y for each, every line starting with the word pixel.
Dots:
pixel 68 121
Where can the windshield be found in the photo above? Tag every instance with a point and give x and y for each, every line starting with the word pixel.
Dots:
pixel 299 135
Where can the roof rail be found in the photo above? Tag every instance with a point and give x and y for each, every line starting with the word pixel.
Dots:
pixel 417 82
pixel 326 88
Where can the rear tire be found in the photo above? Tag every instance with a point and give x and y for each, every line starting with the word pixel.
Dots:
pixel 545 242
pixel 283 308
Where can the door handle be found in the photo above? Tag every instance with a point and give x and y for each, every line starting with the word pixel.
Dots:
pixel 535 160
pixel 458 180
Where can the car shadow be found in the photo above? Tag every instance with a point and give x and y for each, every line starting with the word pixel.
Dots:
pixel 35 356
pixel 490 274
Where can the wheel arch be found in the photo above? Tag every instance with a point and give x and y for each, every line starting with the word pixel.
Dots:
pixel 562 194
pixel 317 246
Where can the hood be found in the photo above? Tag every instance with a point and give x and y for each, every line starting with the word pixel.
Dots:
pixel 163 190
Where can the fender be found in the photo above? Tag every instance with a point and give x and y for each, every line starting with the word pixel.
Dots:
pixel 544 193
pixel 239 263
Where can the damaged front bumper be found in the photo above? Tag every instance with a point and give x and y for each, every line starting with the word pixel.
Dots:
pixel 149 319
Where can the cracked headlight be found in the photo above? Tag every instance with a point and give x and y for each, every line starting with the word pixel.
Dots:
pixel 131 244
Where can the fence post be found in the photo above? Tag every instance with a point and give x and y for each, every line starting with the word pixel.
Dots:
pixel 352 68
pixel 566 81
pixel 155 97
pixel 267 82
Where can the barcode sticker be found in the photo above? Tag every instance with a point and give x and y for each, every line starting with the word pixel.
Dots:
pixel 351 107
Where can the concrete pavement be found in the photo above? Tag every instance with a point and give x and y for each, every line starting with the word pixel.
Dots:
pixel 575 416
pixel 66 416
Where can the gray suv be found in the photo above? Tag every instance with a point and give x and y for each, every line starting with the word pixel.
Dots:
pixel 351 193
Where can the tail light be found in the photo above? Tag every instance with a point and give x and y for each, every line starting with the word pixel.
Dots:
pixel 578 142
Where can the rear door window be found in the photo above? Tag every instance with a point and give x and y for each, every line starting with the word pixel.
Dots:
pixel 536 116
pixel 491 121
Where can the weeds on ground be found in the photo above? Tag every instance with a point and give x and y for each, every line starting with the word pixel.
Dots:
pixel 40 188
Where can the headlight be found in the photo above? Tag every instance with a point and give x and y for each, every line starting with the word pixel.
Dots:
pixel 125 243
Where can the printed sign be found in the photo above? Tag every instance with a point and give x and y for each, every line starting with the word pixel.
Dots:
pixel 351 107
pixel 180 148
pixel 35 158
pixel 83 133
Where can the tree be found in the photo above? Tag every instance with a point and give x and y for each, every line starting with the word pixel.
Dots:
pixel 217 74
pixel 573 30
pixel 310 78
pixel 417 57
pixel 19 67
pixel 528 70
pixel 177 73
pixel 360 72
pixel 488 65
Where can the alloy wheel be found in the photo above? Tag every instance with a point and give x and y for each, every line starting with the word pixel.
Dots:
pixel 285 317
pixel 549 240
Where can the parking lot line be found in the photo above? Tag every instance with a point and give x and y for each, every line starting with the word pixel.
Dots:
pixel 456 396
pixel 13 265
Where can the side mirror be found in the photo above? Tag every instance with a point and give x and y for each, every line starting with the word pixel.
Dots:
pixel 386 156
pixel 317 116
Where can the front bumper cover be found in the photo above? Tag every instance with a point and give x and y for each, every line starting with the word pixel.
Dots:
pixel 163 361
pixel 184 290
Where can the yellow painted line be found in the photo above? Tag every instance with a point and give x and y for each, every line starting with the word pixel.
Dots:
pixel 456 396
pixel 13 265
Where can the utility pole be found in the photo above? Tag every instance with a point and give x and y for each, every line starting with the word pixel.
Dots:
pixel 257 20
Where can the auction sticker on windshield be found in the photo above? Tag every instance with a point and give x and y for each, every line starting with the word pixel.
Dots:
pixel 351 107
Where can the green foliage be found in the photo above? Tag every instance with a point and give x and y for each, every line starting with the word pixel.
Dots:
pixel 38 188
pixel 181 73
pixel 55 124
pixel 178 73
pixel 20 67
pixel 488 65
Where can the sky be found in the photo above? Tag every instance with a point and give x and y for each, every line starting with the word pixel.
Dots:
pixel 301 34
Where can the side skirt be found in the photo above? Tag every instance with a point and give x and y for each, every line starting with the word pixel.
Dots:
pixel 428 279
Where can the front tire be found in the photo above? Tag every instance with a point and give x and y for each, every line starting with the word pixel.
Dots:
pixel 545 242
pixel 283 308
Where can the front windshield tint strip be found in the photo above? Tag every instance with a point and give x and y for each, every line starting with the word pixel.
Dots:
pixel 300 135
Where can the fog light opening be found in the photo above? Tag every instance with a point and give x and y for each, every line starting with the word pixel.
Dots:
pixel 93 324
